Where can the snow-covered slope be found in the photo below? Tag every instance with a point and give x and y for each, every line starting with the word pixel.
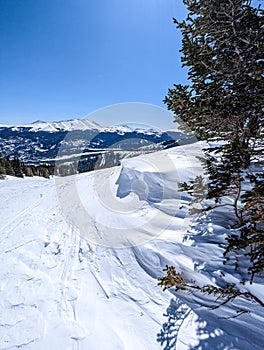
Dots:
pixel 90 283
pixel 64 125
pixel 67 125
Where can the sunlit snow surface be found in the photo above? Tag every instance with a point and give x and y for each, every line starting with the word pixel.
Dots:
pixel 90 282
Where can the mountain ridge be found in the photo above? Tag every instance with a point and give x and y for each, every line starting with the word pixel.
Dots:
pixel 75 124
pixel 41 141
pixel 55 126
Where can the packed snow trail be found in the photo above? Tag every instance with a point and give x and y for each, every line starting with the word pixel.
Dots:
pixel 62 288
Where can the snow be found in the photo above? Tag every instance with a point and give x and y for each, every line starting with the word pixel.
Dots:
pixel 85 124
pixel 82 274
pixel 130 127
pixel 68 125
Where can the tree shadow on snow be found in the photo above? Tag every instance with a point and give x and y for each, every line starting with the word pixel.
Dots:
pixel 176 314
pixel 218 329
pixel 208 337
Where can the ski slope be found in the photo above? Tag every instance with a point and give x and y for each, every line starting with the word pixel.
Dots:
pixel 80 257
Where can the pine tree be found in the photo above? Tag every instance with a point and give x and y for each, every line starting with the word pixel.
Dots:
pixel 251 237
pixel 222 47
pixel 27 170
pixel 17 167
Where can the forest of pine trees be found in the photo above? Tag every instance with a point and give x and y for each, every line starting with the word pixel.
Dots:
pixel 14 167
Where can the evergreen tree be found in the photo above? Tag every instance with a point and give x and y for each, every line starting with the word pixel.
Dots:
pixel 27 170
pixel 17 167
pixel 14 167
pixel 8 166
pixel 222 47
pixel 251 238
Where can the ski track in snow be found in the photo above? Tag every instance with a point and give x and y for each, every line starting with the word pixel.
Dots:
pixel 59 291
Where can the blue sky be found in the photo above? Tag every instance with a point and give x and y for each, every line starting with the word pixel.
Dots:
pixel 62 59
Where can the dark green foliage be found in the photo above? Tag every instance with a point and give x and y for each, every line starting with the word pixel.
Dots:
pixel 17 167
pixel 14 167
pixel 223 47
pixel 251 237
pixel 6 167
pixel 254 200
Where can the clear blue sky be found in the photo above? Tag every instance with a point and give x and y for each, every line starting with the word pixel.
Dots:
pixel 62 59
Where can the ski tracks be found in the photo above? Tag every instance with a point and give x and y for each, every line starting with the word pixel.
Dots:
pixel 66 307
pixel 17 220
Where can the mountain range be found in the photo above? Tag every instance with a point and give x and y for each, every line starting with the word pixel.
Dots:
pixel 42 142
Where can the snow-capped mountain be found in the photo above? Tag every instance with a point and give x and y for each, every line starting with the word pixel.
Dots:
pixel 82 124
pixel 41 141
pixel 67 125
